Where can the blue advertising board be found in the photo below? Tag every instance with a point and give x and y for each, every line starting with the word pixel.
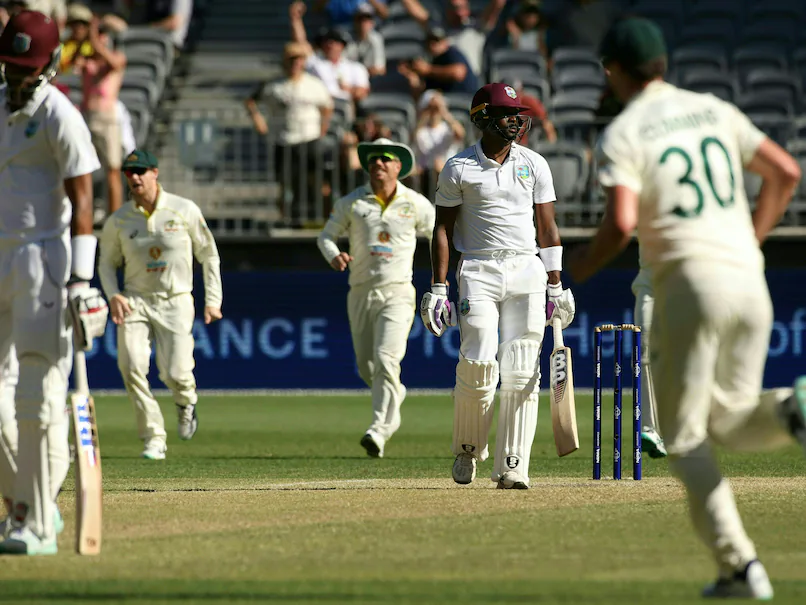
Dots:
pixel 289 330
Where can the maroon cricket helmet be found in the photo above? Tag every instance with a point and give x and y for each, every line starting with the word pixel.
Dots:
pixel 495 95
pixel 30 39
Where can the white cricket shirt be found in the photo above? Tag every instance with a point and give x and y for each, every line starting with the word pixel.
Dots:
pixel 157 250
pixel 683 153
pixel 382 239
pixel 41 145
pixel 497 199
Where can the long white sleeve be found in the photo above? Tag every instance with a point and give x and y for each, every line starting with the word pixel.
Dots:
pixel 110 258
pixel 336 226
pixel 206 252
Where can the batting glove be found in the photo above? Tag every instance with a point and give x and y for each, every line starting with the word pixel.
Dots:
pixel 436 311
pixel 89 312
pixel 561 304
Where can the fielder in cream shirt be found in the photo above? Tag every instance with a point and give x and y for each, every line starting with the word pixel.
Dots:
pixel 382 220
pixel 155 237
pixel 672 165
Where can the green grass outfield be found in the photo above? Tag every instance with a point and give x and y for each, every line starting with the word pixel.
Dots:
pixel 274 501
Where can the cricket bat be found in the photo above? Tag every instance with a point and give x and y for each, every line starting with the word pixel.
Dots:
pixel 563 409
pixel 88 462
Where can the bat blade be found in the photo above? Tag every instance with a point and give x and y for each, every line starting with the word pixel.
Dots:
pixel 563 407
pixel 88 475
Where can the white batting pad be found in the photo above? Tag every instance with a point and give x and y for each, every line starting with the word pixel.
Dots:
pixel 473 406
pixel 58 451
pixel 33 502
pixel 517 416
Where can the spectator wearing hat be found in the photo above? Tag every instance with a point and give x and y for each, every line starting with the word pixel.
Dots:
pixel 77 44
pixel 437 137
pixel 448 70
pixel 525 28
pixel 301 108
pixel 464 31
pixel 341 12
pixel 101 78
pixel 345 79
pixel 367 47
pixel 382 219
pixel 172 16
pixel 537 111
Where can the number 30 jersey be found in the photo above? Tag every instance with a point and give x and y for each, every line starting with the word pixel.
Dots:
pixel 684 153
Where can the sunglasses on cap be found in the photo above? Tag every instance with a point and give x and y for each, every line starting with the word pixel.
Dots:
pixel 383 157
pixel 132 171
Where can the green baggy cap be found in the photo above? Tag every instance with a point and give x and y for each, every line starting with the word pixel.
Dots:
pixel 632 42
pixel 140 158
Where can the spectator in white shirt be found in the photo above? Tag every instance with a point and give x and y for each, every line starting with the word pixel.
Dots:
pixel 173 16
pixel 343 78
pixel 437 137
pixel 368 47
pixel 525 28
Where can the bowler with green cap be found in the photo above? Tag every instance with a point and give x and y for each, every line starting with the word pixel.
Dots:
pixel 387 148
pixel 140 158
pixel 636 45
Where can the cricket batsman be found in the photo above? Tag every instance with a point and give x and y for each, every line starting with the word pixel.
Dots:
pixel 495 202
pixel 155 237
pixel 382 220
pixel 45 193
pixel 672 166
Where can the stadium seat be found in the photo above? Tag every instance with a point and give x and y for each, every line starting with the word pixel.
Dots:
pixel 579 80
pixel 719 32
pixel 573 56
pixel 772 83
pixel 134 98
pixel 562 105
pixel 750 58
pixel 392 81
pixel 391 108
pixel 699 57
pixel 575 126
pixel 778 32
pixel 537 87
pixel 759 102
pixel 715 9
pixel 798 149
pixel 408 31
pixel 138 39
pixel 722 85
pixel 403 50
pixel 569 167
pixel 458 103
pixel 147 86
pixel 520 62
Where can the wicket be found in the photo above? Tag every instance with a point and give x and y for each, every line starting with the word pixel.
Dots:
pixel 618 329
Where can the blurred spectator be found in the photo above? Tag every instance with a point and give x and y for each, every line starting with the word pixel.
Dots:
pixel 465 32
pixel 368 47
pixel 301 108
pixel 127 138
pixel 77 44
pixel 56 9
pixel 541 126
pixel 577 22
pixel 448 71
pixel 525 28
pixel 101 78
pixel 437 137
pixel 342 12
pixel 344 79
pixel 171 15
pixel 366 129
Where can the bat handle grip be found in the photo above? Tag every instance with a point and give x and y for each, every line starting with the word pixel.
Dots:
pixel 557 326
pixel 80 381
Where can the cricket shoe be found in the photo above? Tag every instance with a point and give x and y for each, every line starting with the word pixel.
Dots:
pixel 23 541
pixel 373 444
pixel 155 449
pixel 652 443
pixel 749 583
pixel 188 421
pixel 464 468
pixel 6 525
pixel 513 480
pixel 794 412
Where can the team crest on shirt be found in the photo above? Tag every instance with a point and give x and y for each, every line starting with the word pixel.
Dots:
pixel 405 210
pixel 464 306
pixel 31 128
pixel 384 237
pixel 171 225
pixel 510 92
pixel 156 265
pixel 522 171
pixel 154 252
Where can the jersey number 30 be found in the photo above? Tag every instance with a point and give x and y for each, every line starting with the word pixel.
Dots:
pixel 725 202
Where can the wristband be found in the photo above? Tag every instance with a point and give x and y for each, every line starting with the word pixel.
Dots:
pixel 554 290
pixel 552 258
pixel 83 266
pixel 439 289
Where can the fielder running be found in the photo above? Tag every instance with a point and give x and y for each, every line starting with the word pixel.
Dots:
pixel 156 236
pixel 383 220
pixel 45 189
pixel 672 166
pixel 489 198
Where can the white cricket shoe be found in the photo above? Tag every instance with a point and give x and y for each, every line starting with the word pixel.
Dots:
pixel 6 525
pixel 652 443
pixel 373 443
pixel 23 541
pixel 155 449
pixel 464 468
pixel 750 583
pixel 188 421
pixel 513 480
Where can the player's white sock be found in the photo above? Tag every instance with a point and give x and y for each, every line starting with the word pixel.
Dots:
pixel 713 509
pixel 33 502
pixel 473 406
pixel 517 417
pixel 58 452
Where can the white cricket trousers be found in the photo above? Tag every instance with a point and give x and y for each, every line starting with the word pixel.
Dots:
pixel 34 324
pixel 380 322
pixel 642 316
pixel 712 326
pixel 502 319
pixel 167 324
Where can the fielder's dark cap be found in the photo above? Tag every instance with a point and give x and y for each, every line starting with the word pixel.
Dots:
pixel 496 94
pixel 632 42
pixel 140 158
pixel 29 40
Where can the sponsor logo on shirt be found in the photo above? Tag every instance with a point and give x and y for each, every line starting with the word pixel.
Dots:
pixel 171 226
pixel 522 171
pixel 405 210
pixel 382 251
pixel 156 265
